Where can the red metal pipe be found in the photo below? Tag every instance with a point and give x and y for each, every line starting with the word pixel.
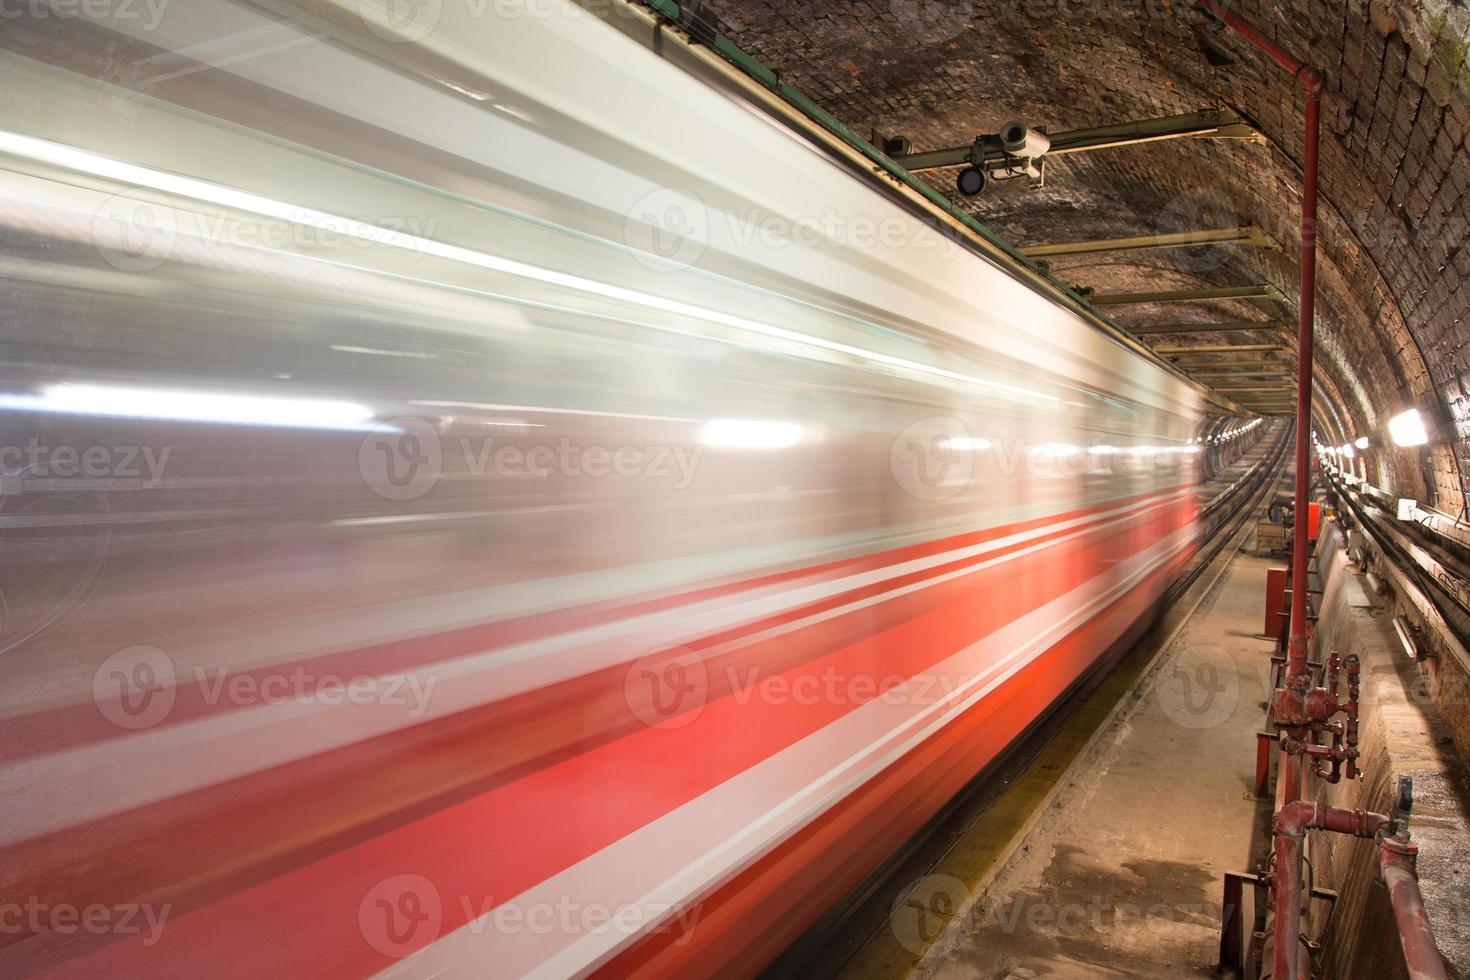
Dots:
pixel 1289 830
pixel 1287 907
pixel 1297 674
pixel 1248 31
pixel 1295 819
pixel 1288 849
pixel 1397 860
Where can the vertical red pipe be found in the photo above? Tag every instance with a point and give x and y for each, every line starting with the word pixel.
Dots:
pixel 1296 666
pixel 1287 909
pixel 1288 847
pixel 1311 82
pixel 1421 954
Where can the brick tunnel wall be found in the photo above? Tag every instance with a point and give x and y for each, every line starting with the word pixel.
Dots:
pixel 1393 309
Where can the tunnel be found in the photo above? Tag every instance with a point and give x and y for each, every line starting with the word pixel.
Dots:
pixel 724 488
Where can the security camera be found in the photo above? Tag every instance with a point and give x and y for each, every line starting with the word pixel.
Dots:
pixel 1025 152
pixel 1019 140
pixel 972 181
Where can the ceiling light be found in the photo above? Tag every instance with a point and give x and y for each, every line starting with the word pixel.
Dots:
pixel 1408 429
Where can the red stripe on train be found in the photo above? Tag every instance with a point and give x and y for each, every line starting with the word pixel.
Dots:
pixel 67 726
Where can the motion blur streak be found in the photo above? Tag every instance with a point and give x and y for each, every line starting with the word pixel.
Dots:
pixel 190 406
pixel 201 191
pixel 448 533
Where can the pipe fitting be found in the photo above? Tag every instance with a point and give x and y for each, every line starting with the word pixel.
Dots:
pixel 1311 81
pixel 1295 819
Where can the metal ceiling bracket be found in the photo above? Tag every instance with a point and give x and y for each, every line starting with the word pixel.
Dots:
pixel 1183 328
pixel 1259 291
pixel 984 151
pixel 1246 236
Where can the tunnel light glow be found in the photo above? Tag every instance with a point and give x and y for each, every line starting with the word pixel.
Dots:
pixel 83 161
pixel 1347 450
pixel 194 406
pixel 1408 429
pixel 966 442
pixel 1104 450
pixel 749 434
pixel 1361 442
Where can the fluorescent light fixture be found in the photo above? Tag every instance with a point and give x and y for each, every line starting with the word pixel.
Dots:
pixel 1408 429
pixel 749 434
pixel 965 442
pixel 193 406
pixel 1361 442
pixel 1104 450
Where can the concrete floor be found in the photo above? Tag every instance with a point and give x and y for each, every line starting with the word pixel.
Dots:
pixel 1121 875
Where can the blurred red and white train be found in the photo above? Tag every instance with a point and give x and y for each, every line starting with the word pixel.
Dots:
pixel 478 501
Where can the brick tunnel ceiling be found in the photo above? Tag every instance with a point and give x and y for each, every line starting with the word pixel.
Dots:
pixel 1392 304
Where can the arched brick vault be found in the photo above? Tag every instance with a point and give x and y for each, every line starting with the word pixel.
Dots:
pixel 1393 310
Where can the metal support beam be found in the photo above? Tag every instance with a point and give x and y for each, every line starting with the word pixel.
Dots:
pixel 1215 367
pixel 1222 349
pixel 1249 236
pixel 1234 363
pixel 1281 387
pixel 1258 291
pixel 1241 377
pixel 1206 124
pixel 1183 328
pixel 1265 358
